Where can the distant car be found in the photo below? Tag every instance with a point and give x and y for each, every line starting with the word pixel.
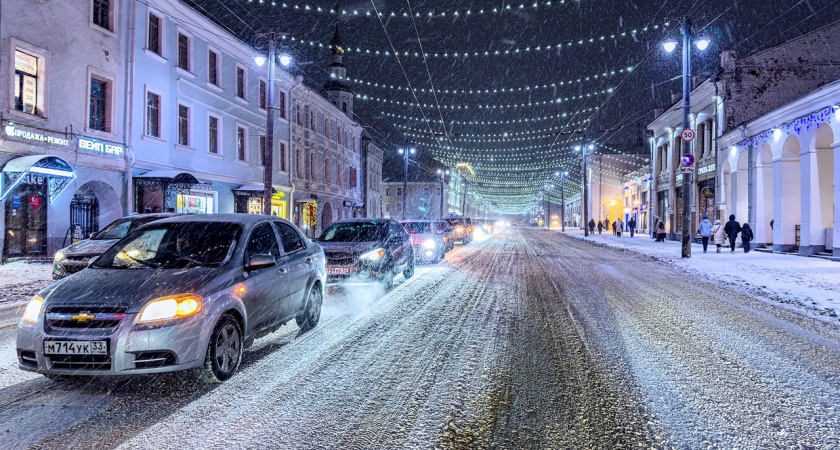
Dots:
pixel 429 239
pixel 187 292
pixel 461 230
pixel 76 257
pixel 367 250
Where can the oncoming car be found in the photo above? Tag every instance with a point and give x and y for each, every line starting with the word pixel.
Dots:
pixel 429 239
pixel 461 230
pixel 76 257
pixel 188 292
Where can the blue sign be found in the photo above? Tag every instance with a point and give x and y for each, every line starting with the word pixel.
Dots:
pixel 688 160
pixel 16 202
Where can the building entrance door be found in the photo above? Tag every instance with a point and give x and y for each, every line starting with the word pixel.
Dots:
pixel 26 221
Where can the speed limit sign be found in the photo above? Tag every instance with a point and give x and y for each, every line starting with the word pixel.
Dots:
pixel 687 135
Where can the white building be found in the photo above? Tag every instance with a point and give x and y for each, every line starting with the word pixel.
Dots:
pixel 371 177
pixel 197 116
pixel 426 196
pixel 62 146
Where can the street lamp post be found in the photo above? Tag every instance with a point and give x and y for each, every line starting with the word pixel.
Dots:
pixel 442 174
pixel 584 151
pixel 406 153
pixel 563 201
pixel 687 182
pixel 268 156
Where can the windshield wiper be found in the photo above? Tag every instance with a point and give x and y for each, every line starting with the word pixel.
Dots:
pixel 141 261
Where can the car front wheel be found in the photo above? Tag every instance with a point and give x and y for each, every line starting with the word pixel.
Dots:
pixel 308 319
pixel 409 271
pixel 224 352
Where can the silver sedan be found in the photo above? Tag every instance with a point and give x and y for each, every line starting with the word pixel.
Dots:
pixel 188 292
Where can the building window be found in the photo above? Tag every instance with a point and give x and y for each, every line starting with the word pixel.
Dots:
pixel 297 114
pixel 183 52
pixel 240 83
pixel 152 114
pixel 263 88
pixel 184 125
pixel 154 44
pixel 98 119
pixel 387 209
pixel 426 191
pixel 281 104
pixel 262 150
pixel 344 107
pixel 313 123
pixel 313 167
pixel 213 67
pixel 387 192
pixel 102 13
pixel 213 135
pixel 327 177
pixel 399 191
pixel 241 143
pixel 282 157
pixel 326 126
pixel 353 175
pixel 26 82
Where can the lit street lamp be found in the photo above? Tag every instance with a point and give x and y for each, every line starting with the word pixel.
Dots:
pixel 688 178
pixel 268 157
pixel 406 154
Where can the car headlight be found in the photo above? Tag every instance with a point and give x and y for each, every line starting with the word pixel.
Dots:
pixel 33 309
pixel 171 307
pixel 429 244
pixel 59 255
pixel 459 229
pixel 373 255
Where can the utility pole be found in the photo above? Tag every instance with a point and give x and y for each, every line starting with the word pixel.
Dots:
pixel 563 201
pixel 687 177
pixel 405 152
pixel 268 157
pixel 464 201
pixel 548 210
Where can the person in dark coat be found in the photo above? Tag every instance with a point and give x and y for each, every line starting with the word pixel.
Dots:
pixel 600 227
pixel 660 230
pixel 631 225
pixel 592 225
pixel 607 224
pixel 614 228
pixel 732 229
pixel 746 236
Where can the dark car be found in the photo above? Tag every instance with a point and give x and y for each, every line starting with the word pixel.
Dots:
pixel 367 250
pixel 461 230
pixel 188 292
pixel 75 257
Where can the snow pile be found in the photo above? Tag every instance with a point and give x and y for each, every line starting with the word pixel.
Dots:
pixel 20 280
pixel 806 284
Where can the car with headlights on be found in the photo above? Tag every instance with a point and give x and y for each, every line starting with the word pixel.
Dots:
pixel 366 250
pixel 461 230
pixel 429 239
pixel 187 292
pixel 76 256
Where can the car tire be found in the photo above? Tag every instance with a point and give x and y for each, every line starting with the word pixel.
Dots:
pixel 387 279
pixel 409 271
pixel 311 314
pixel 224 351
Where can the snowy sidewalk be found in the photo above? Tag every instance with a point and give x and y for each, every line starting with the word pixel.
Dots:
pixel 19 281
pixel 806 284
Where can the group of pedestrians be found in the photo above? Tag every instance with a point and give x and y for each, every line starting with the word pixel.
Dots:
pixel 719 233
pixel 617 226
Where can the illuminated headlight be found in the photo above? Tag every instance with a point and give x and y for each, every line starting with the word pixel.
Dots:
pixel 59 255
pixel 33 309
pixel 429 244
pixel 459 229
pixel 373 255
pixel 172 307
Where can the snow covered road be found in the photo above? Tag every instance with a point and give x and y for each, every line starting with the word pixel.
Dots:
pixel 529 339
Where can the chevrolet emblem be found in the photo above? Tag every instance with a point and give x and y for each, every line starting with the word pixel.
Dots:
pixel 83 317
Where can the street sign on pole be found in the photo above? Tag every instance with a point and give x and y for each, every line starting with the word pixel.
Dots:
pixel 687 169
pixel 687 160
pixel 688 135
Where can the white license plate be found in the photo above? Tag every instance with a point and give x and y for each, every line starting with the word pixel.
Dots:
pixel 338 270
pixel 75 347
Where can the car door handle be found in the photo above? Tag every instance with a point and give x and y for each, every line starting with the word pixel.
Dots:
pixel 283 270
pixel 308 260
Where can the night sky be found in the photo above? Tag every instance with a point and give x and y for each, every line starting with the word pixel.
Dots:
pixel 536 71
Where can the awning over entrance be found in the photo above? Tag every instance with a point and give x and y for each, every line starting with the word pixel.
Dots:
pixel 250 189
pixel 170 179
pixel 55 170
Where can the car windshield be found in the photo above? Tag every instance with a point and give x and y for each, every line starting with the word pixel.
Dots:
pixel 120 228
pixel 455 222
pixel 354 232
pixel 418 227
pixel 173 246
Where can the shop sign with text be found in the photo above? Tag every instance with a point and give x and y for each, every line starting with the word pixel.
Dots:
pixel 13 131
pixel 100 147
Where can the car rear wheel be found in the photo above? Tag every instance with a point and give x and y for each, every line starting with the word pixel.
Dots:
pixel 409 271
pixel 224 352
pixel 308 319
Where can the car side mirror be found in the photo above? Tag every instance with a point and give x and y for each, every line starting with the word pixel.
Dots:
pixel 260 261
pixel 93 260
pixel 93 236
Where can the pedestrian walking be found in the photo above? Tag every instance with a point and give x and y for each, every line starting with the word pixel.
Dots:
pixel 660 230
pixel 746 236
pixel 600 227
pixel 705 232
pixel 619 227
pixel 592 226
pixel 732 228
pixel 606 224
pixel 718 235
pixel 614 228
pixel 631 225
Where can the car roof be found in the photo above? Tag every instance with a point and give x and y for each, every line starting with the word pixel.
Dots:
pixel 377 221
pixel 418 221
pixel 152 216
pixel 240 218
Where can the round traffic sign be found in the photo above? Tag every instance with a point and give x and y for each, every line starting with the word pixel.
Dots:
pixel 688 160
pixel 687 135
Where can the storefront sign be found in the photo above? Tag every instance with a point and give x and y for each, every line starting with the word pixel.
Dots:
pixel 35 202
pixel 16 202
pixel 706 169
pixel 15 132
pixel 100 147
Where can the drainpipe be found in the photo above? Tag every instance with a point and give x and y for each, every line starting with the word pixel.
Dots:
pixel 750 177
pixel 128 113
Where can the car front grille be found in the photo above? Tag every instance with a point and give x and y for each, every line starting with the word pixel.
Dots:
pixel 84 317
pixel 79 362
pixel 148 360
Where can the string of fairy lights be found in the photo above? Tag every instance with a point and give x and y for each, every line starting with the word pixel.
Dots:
pixel 439 13
pixel 502 106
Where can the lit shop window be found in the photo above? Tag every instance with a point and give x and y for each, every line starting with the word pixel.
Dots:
pixel 26 82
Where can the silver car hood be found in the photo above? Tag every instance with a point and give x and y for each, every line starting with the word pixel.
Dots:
pixel 89 247
pixel 133 287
